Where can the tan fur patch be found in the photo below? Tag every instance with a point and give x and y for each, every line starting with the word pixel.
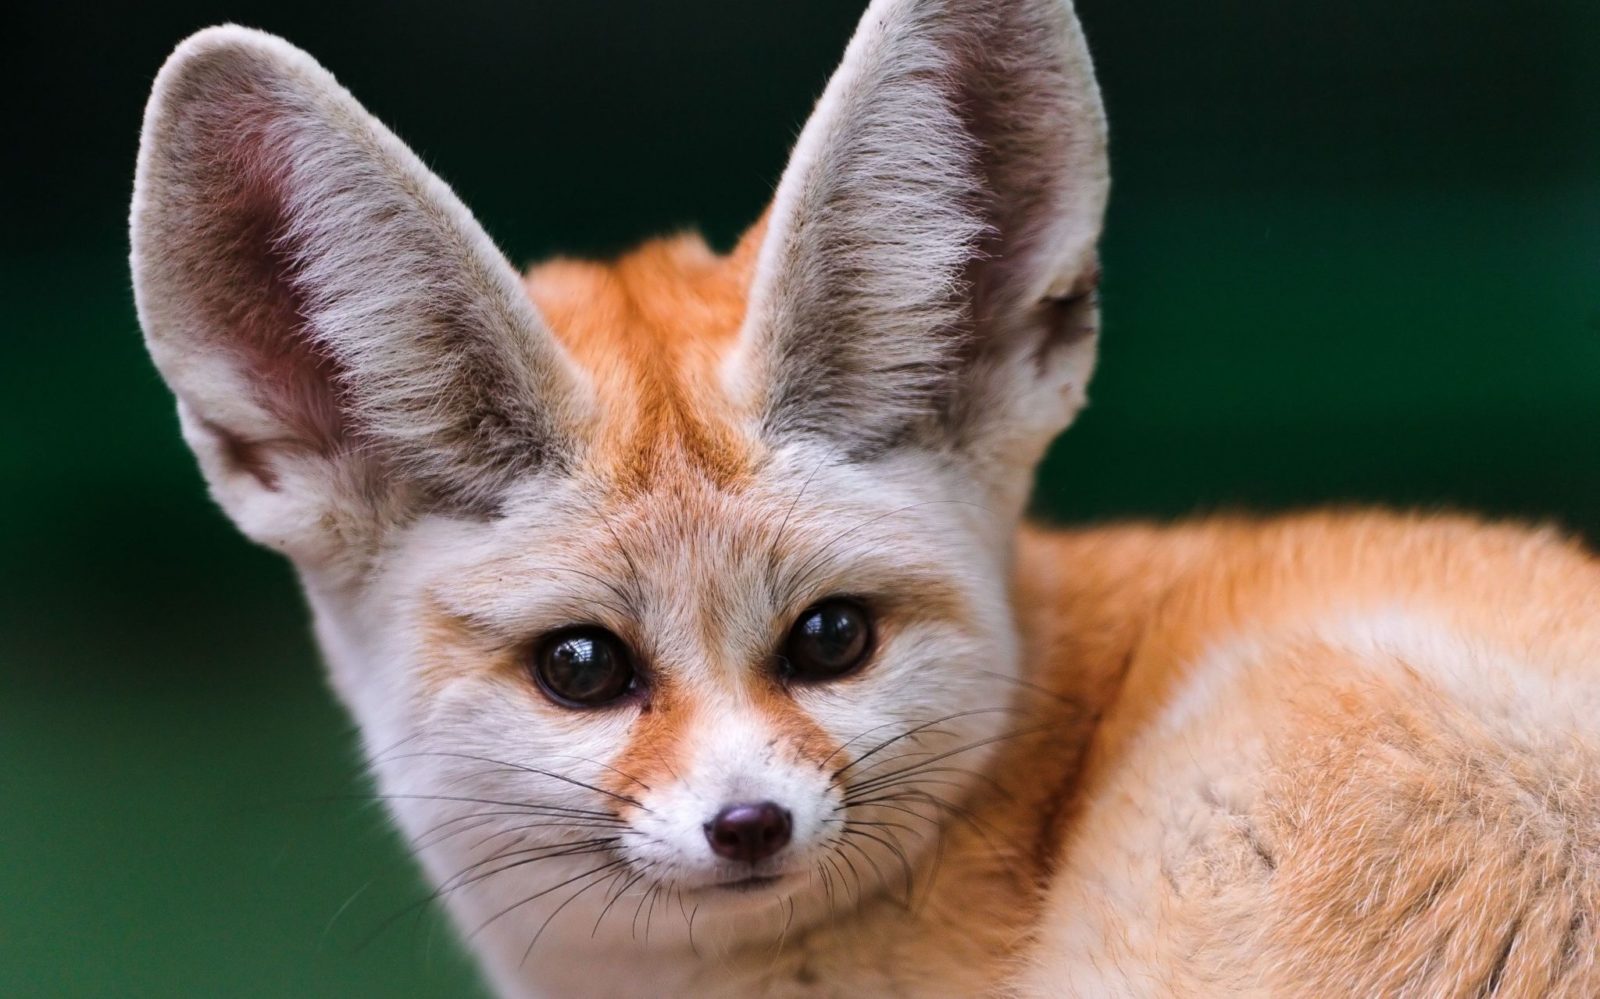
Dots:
pixel 651 329
pixel 791 724
pixel 453 649
pixel 654 754
pixel 1315 776
pixel 1420 854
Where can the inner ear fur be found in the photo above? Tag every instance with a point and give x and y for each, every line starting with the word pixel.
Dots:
pixel 313 293
pixel 929 263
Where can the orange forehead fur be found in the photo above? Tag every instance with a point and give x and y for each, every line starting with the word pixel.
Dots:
pixel 651 329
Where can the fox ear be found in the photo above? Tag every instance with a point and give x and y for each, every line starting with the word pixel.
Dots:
pixel 344 340
pixel 929 266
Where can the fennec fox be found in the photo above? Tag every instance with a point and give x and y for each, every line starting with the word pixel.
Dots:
pixel 694 634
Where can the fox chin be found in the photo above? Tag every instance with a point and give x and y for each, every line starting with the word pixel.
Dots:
pixel 693 628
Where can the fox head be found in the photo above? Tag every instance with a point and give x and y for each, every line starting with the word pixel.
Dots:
pixel 684 574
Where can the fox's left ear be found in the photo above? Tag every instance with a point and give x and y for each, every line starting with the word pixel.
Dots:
pixel 929 269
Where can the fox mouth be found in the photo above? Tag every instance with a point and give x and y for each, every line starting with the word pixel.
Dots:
pixel 753 882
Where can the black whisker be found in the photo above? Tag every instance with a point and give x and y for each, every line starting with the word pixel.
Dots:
pixel 777 539
pixel 858 848
pixel 969 747
pixel 920 772
pixel 549 851
pixel 550 918
pixel 847 863
pixel 915 731
pixel 625 798
pixel 617 897
pixel 893 847
pixel 542 893
pixel 547 811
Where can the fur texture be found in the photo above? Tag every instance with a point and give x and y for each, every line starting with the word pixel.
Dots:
pixel 1334 754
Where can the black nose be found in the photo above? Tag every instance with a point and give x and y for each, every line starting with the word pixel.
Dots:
pixel 750 832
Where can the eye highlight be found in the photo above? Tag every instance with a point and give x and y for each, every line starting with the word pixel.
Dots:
pixel 583 667
pixel 829 640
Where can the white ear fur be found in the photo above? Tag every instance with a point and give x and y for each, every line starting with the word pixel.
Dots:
pixel 338 329
pixel 929 265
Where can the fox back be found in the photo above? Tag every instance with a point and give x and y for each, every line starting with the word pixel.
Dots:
pixel 683 600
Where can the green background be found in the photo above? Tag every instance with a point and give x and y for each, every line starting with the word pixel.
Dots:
pixel 1353 256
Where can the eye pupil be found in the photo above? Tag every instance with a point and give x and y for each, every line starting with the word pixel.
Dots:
pixel 829 640
pixel 584 667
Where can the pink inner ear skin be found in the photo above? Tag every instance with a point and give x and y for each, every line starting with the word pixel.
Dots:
pixel 267 311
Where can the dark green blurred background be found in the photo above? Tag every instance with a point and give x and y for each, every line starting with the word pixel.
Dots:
pixel 1354 255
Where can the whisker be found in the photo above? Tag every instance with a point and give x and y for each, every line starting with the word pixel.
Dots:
pixel 634 576
pixel 827 886
pixel 863 822
pixel 783 934
pixel 617 897
pixel 969 747
pixel 920 772
pixel 892 847
pixel 844 883
pixel 1036 688
pixel 693 913
pixel 882 880
pixel 620 773
pixel 549 851
pixel 934 868
pixel 852 741
pixel 650 910
pixel 914 731
pixel 1002 853
pixel 633 931
pixel 521 830
pixel 524 862
pixel 625 798
pixel 550 918
pixel 478 820
pixel 548 811
pixel 847 863
pixel 540 894
pixel 777 539
pixel 446 888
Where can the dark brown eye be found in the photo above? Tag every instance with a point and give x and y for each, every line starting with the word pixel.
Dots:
pixel 829 640
pixel 584 667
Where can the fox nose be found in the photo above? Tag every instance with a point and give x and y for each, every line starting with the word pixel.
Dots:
pixel 750 832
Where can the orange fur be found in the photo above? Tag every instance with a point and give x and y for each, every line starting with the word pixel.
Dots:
pixel 650 329
pixel 1344 753
pixel 1386 839
pixel 1345 824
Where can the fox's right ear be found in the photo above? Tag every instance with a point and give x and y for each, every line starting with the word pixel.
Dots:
pixel 346 344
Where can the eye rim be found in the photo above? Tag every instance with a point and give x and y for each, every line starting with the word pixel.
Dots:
pixel 869 645
pixel 547 643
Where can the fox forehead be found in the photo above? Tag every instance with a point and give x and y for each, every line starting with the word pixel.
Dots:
pixel 692 567
pixel 651 329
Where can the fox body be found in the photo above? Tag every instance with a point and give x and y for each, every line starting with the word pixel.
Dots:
pixel 694 634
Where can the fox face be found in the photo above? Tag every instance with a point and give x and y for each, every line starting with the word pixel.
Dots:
pixel 718 676
pixel 681 579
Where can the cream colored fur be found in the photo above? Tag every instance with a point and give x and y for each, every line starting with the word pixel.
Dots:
pixel 1332 755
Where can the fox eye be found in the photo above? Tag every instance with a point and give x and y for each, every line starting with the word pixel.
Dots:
pixel 583 667
pixel 829 640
